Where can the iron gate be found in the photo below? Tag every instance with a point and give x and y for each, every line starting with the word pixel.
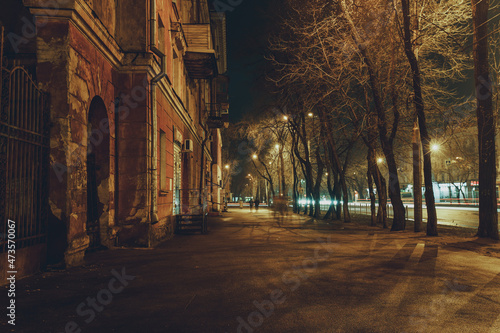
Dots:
pixel 24 144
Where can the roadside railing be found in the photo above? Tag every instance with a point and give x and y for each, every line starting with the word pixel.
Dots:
pixel 364 208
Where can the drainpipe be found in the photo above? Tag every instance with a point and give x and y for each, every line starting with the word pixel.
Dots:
pixel 203 144
pixel 154 114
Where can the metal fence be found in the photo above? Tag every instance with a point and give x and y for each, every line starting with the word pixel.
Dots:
pixel 24 144
pixel 363 208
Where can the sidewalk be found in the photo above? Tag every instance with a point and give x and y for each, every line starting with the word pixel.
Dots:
pixel 251 275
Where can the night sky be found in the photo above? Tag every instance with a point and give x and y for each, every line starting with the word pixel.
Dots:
pixel 248 27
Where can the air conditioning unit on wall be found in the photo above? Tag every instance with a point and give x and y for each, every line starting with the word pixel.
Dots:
pixel 188 146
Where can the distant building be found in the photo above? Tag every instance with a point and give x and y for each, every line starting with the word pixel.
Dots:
pixel 135 97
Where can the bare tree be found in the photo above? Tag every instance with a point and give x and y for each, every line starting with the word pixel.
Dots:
pixel 386 138
pixel 329 54
pixel 419 108
pixel 488 216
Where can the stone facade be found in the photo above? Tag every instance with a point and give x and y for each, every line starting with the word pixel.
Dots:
pixel 114 128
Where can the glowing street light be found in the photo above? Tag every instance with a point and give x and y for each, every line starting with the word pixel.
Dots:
pixel 380 160
pixel 227 166
pixel 435 147
pixel 310 114
pixel 254 156
pixel 285 118
pixel 277 146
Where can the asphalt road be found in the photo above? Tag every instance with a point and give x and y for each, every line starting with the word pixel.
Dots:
pixel 461 216
pixel 251 274
pixel 457 215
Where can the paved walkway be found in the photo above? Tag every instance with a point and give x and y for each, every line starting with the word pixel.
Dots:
pixel 251 275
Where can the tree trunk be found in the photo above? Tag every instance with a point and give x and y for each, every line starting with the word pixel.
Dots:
pixel 373 168
pixel 372 163
pixel 331 209
pixel 308 197
pixel 398 221
pixel 295 182
pixel 488 216
pixel 305 162
pixel 335 160
pixel 382 199
pixel 282 170
pixel 272 192
pixel 294 192
pixel 309 188
pixel 338 196
pixel 419 107
pixel 329 212
pixel 417 181
pixel 373 211
pixel 317 208
pixel 317 185
pixel 311 205
pixel 381 187
pixel 345 199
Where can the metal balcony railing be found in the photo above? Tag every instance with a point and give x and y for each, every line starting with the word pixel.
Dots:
pixel 217 115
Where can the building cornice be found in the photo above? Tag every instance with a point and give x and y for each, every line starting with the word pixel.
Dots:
pixel 81 18
pixel 96 33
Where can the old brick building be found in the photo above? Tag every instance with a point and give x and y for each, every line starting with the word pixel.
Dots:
pixel 135 97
